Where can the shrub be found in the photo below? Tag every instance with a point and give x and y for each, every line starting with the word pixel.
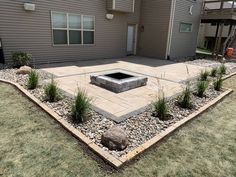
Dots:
pixel 51 91
pixel 161 108
pixel 185 99
pixel 81 107
pixel 201 88
pixel 33 79
pixel 204 75
pixel 222 69
pixel 218 83
pixel 21 58
pixel 214 72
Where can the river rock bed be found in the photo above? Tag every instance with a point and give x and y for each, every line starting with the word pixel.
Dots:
pixel 231 66
pixel 139 128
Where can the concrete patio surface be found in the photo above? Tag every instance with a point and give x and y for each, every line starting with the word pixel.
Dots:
pixel 162 75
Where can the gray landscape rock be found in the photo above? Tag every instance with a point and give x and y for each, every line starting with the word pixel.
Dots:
pixel 115 139
pixel 24 70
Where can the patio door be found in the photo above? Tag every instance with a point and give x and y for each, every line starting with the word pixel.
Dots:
pixel 131 40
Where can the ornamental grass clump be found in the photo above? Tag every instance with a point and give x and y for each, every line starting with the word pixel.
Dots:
pixel 161 109
pixel 201 88
pixel 185 99
pixel 218 83
pixel 81 107
pixel 52 92
pixel 204 75
pixel 214 72
pixel 222 69
pixel 33 80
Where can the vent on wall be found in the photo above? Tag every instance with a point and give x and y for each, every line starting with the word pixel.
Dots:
pixel 29 7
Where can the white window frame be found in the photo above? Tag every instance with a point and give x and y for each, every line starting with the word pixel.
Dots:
pixel 92 30
pixel 68 29
pixel 74 29
pixel 185 31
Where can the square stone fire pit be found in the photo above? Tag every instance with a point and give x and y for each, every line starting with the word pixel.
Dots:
pixel 118 81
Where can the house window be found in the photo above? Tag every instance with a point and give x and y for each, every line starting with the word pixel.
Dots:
pixel 75 29
pixel 59 24
pixel 70 29
pixel 185 27
pixel 88 30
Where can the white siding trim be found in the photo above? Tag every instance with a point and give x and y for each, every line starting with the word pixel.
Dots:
pixel 114 4
pixel 136 39
pixel 133 5
pixel 171 25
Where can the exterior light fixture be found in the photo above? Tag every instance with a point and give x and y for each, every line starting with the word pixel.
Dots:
pixel 109 16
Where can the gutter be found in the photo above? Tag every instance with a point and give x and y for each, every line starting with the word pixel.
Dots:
pixel 170 30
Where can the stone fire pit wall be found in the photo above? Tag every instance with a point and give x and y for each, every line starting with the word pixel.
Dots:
pixel 116 85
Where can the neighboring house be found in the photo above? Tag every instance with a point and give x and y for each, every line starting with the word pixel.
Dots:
pixel 72 30
pixel 207 31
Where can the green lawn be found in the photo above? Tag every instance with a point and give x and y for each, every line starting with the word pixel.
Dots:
pixel 32 144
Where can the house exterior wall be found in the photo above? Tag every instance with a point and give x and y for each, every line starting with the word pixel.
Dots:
pixel 210 31
pixel 201 36
pixel 154 25
pixel 110 4
pixel 183 44
pixel 124 5
pixel 31 31
pixel 134 18
pixel 120 5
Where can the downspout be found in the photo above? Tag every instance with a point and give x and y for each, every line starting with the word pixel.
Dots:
pixel 113 4
pixel 170 30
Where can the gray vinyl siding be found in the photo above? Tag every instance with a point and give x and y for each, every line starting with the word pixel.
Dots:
pixel 154 18
pixel 134 18
pixel 121 5
pixel 109 4
pixel 184 44
pixel 124 5
pixel 31 31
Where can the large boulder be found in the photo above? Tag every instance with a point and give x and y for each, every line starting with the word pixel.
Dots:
pixel 24 70
pixel 115 139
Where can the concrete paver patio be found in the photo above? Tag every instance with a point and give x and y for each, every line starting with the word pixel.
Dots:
pixel 162 75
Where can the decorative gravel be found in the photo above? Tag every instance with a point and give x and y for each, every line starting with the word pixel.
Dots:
pixel 231 67
pixel 10 74
pixel 140 128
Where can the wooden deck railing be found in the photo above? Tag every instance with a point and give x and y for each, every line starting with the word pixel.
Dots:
pixel 220 6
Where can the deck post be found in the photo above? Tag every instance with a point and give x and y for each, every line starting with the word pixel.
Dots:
pixel 221 5
pixel 216 39
pixel 219 40
pixel 232 9
pixel 204 7
pixel 230 28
